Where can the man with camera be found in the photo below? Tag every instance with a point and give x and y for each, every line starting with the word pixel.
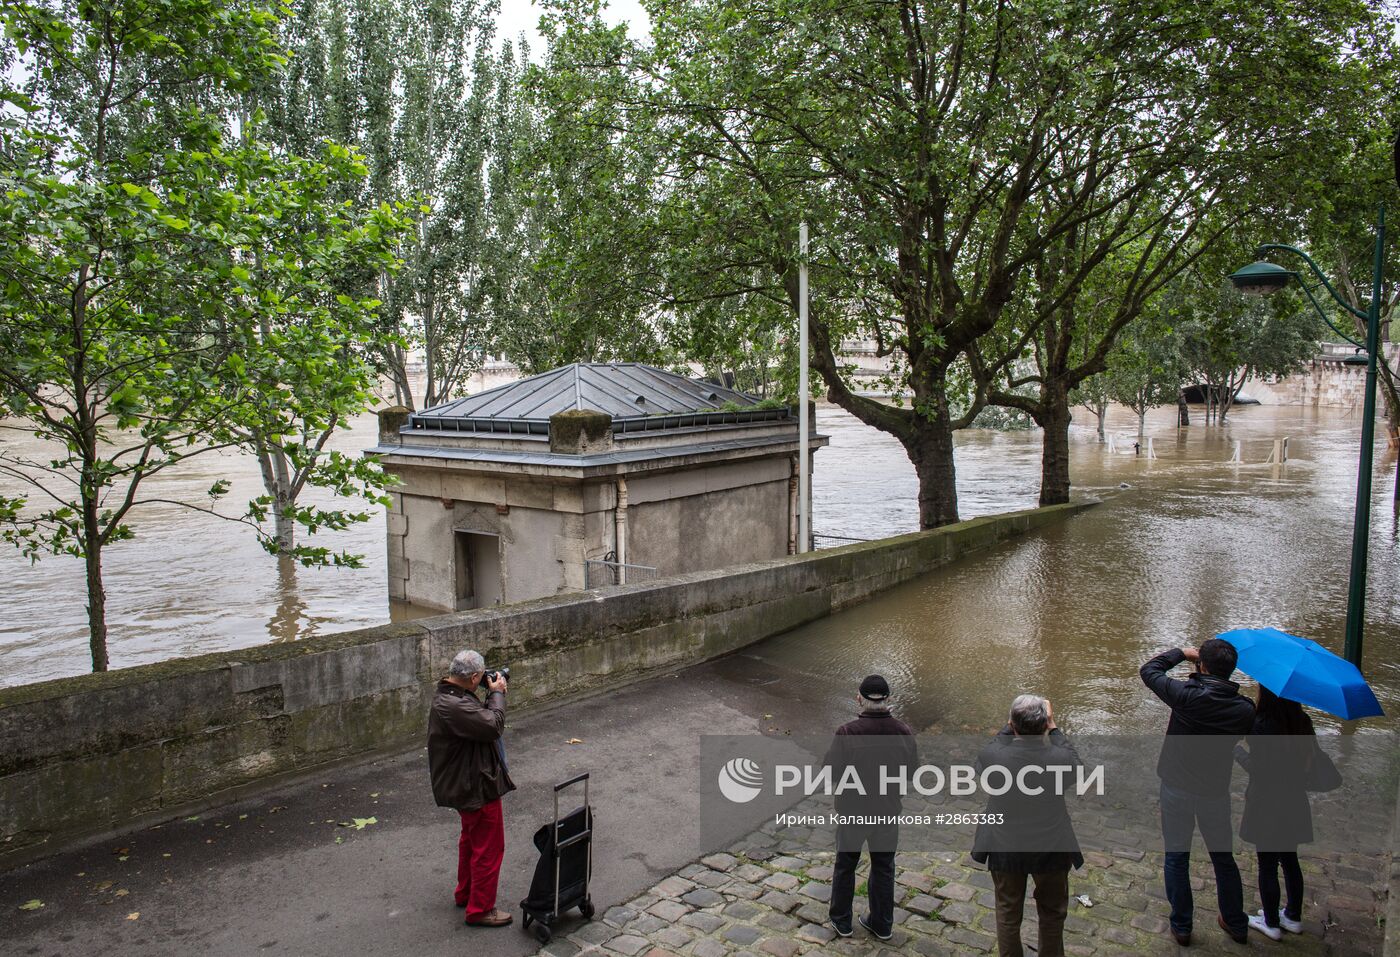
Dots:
pixel 1208 716
pixel 467 761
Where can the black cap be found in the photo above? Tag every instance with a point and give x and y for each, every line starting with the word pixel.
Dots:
pixel 874 688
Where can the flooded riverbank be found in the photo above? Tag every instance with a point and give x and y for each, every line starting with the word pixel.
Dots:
pixel 1193 546
pixel 1194 542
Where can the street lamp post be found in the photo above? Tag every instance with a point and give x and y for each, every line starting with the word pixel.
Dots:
pixel 1264 278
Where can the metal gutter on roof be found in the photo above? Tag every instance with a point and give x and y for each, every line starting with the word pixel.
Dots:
pixel 592 460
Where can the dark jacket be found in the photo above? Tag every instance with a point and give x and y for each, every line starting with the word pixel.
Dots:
pixel 1035 835
pixel 1209 715
pixel 875 740
pixel 464 753
pixel 1277 813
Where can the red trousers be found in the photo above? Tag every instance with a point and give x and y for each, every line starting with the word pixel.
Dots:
pixel 479 854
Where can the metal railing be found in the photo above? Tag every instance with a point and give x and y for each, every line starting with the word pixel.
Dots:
pixel 833 541
pixel 599 572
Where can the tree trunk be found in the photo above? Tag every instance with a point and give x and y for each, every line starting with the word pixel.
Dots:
pixel 1054 447
pixel 1100 410
pixel 97 592
pixel 284 528
pixel 1142 421
pixel 277 482
pixel 1183 413
pixel 931 451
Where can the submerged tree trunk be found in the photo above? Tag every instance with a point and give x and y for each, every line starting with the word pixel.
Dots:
pixel 931 451
pixel 278 483
pixel 1183 412
pixel 1054 447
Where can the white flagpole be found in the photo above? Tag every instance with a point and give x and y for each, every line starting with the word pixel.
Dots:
pixel 804 478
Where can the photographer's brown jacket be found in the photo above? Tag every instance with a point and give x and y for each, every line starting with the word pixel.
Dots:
pixel 463 753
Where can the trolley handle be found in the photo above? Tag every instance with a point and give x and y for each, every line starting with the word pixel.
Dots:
pixel 570 782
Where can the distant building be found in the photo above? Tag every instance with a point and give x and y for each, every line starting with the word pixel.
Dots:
pixel 587 475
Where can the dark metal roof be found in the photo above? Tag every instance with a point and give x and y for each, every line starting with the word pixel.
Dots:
pixel 636 396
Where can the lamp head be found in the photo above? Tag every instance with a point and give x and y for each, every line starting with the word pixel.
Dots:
pixel 1261 278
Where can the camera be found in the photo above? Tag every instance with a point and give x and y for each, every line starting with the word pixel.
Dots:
pixel 492 674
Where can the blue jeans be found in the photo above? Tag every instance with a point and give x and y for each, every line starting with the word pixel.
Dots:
pixel 1182 812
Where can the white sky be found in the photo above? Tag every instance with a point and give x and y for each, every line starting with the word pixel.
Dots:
pixel 524 15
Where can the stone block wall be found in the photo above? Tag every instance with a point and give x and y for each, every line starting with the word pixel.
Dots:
pixel 89 755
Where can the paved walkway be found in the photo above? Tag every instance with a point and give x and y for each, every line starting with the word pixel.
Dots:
pixel 767 896
pixel 283 873
pixel 279 874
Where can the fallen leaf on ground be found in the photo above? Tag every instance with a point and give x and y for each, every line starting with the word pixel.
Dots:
pixel 122 850
pixel 575 741
pixel 339 839
pixel 121 893
pixel 32 905
pixel 134 915
pixel 194 818
pixel 104 885
pixel 122 858
pixel 243 817
pixel 375 794
pixel 165 855
pixel 359 823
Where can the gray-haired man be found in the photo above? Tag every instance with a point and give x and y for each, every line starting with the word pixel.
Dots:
pixel 1034 837
pixel 469 774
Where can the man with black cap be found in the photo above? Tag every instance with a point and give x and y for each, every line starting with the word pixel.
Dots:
pixel 874 741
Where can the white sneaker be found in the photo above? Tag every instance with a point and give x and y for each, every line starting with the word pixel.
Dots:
pixel 1257 923
pixel 1287 923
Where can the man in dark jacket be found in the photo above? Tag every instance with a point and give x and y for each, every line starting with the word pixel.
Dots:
pixel 1033 836
pixel 1209 715
pixel 467 763
pixel 865 745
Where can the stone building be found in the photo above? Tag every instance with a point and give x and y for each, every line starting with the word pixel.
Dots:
pixel 586 475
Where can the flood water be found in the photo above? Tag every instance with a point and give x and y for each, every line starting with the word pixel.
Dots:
pixel 1194 546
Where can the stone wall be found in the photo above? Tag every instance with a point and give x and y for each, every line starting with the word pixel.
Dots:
pixel 1324 381
pixel 101 752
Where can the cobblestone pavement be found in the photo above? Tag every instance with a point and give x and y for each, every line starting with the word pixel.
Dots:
pixel 767 897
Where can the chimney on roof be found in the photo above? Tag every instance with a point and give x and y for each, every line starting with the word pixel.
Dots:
pixel 580 432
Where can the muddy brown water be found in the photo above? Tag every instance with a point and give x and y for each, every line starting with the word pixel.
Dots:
pixel 1193 546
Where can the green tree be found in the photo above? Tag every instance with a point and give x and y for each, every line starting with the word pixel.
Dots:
pixel 941 153
pixel 426 93
pixel 1224 339
pixel 1145 368
pixel 301 343
pixel 138 246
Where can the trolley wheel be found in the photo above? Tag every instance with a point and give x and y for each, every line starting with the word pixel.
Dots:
pixel 525 919
pixel 542 933
pixel 586 909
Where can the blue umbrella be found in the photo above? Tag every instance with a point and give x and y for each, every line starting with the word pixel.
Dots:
pixel 1302 670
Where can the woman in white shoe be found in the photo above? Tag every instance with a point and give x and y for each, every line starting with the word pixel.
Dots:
pixel 1277 814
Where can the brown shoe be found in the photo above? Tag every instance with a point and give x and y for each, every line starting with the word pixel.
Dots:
pixel 496 918
pixel 1220 919
pixel 1182 940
